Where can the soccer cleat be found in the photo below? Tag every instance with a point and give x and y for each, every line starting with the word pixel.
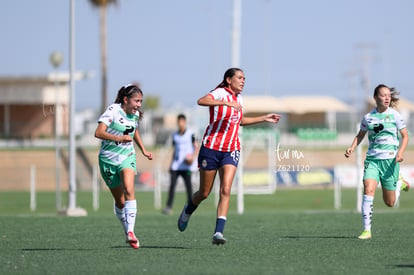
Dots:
pixel 218 238
pixel 405 186
pixel 365 235
pixel 132 240
pixel 183 220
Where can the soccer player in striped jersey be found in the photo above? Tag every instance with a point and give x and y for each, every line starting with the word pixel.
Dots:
pixel 220 148
pixel 118 128
pixel 385 152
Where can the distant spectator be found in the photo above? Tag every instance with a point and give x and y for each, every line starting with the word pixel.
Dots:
pixel 185 148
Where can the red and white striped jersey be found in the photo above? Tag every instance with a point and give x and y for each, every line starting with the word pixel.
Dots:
pixel 222 133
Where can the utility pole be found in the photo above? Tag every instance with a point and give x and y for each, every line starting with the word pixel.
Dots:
pixel 72 210
pixel 235 63
pixel 366 58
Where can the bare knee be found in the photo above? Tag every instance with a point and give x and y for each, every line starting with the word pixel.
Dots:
pixel 370 187
pixel 199 196
pixel 202 195
pixel 389 197
pixel 389 202
pixel 369 191
pixel 225 192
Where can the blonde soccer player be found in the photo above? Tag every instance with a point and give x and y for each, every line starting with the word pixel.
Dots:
pixel 118 129
pixel 385 152
pixel 220 148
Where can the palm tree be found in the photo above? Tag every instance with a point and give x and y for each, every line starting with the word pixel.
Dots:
pixel 102 5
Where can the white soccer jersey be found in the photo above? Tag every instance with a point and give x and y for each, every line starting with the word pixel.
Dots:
pixel 382 129
pixel 119 123
pixel 183 146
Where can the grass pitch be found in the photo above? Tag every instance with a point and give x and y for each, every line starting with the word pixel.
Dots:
pixel 290 232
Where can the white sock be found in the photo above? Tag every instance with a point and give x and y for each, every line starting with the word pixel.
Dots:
pixel 398 191
pixel 367 211
pixel 120 214
pixel 130 213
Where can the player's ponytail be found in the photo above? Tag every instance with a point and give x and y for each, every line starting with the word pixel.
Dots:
pixel 394 98
pixel 128 91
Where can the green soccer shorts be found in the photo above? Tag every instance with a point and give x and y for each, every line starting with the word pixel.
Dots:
pixel 111 173
pixel 385 171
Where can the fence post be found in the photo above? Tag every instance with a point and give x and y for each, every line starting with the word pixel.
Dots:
pixel 32 187
pixel 157 188
pixel 337 193
pixel 95 189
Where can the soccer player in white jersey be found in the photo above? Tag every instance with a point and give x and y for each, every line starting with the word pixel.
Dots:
pixel 220 148
pixel 118 128
pixel 384 154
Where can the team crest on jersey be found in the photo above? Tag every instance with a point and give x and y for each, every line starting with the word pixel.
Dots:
pixel 378 128
pixel 234 118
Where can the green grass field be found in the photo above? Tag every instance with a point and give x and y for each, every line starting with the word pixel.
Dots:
pixel 289 232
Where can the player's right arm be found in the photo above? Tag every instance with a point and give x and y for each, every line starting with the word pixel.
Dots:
pixel 101 133
pixel 357 140
pixel 209 100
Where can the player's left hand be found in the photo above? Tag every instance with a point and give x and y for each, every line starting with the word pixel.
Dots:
pixel 274 118
pixel 148 155
pixel 189 159
pixel 399 158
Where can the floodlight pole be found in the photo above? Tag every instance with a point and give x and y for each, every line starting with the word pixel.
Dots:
pixel 235 62
pixel 72 145
pixel 236 34
pixel 72 209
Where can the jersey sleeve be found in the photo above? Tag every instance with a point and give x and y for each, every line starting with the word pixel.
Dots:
pixel 399 121
pixel 216 94
pixel 364 124
pixel 173 139
pixel 108 116
pixel 136 122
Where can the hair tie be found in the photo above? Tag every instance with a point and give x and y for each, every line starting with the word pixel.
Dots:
pixel 128 85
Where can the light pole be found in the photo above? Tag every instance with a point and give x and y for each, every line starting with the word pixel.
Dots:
pixel 56 59
pixel 235 62
pixel 72 210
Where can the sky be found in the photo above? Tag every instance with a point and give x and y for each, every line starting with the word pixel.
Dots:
pixel 179 50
